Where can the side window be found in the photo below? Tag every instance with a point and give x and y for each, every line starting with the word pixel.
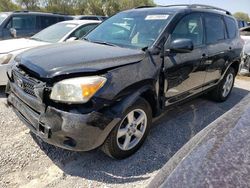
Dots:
pixel 89 18
pixel 215 28
pixel 82 31
pixel 190 27
pixel 47 21
pixel 231 27
pixel 60 19
pixel 22 22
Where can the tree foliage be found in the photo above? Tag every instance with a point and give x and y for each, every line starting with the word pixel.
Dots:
pixel 79 7
pixel 7 5
pixel 242 16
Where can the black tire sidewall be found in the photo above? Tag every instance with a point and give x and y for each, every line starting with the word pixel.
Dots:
pixel 114 150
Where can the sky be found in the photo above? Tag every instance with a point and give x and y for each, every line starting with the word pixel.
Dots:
pixel 231 5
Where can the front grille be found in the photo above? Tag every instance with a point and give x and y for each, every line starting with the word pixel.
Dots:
pixel 26 83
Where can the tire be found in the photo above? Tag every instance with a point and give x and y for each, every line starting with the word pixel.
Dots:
pixel 224 88
pixel 116 146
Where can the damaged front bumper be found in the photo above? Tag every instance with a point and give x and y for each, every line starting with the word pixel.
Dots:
pixel 72 131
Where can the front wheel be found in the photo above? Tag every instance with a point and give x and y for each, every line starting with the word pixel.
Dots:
pixel 131 132
pixel 223 90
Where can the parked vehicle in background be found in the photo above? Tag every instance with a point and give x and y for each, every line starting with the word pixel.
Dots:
pixel 60 32
pixel 242 23
pixel 104 91
pixel 245 33
pixel 90 17
pixel 245 62
pixel 25 24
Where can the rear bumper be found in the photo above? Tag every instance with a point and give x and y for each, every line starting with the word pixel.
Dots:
pixel 72 131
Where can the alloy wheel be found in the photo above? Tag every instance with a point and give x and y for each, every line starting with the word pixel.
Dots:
pixel 228 85
pixel 131 129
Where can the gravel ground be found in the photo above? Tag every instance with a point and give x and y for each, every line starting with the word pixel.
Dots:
pixel 28 162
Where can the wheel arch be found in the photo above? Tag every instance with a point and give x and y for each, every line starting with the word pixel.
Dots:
pixel 146 91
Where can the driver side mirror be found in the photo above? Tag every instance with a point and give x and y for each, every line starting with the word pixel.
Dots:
pixel 13 32
pixel 181 46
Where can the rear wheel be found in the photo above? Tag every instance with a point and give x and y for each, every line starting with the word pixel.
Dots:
pixel 223 90
pixel 131 132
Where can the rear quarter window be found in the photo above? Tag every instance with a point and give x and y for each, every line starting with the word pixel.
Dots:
pixel 231 27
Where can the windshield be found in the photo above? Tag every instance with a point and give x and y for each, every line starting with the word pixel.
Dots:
pixel 54 33
pixel 3 16
pixel 130 29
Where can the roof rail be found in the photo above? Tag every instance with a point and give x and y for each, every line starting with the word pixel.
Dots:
pixel 17 11
pixel 146 6
pixel 209 7
pixel 199 6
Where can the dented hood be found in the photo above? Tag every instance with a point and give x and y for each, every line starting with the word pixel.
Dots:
pixel 76 57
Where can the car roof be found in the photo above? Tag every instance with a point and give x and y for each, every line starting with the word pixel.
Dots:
pixel 36 13
pixel 82 16
pixel 173 9
pixel 81 22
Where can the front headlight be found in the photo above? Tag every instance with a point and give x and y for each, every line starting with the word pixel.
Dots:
pixel 5 59
pixel 77 90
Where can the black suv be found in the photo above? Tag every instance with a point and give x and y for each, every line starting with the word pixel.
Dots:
pixel 25 24
pixel 104 91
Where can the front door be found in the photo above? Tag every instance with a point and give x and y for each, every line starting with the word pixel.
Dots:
pixel 184 72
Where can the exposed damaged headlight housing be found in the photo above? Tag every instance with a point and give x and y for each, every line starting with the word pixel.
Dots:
pixel 5 59
pixel 77 90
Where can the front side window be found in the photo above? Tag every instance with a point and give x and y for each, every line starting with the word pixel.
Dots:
pixel 190 27
pixel 82 31
pixel 231 27
pixel 54 33
pixel 130 29
pixel 22 22
pixel 215 29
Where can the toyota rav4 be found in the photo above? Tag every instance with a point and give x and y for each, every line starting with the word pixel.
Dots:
pixel 103 91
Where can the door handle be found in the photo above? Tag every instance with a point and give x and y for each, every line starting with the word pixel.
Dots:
pixel 204 56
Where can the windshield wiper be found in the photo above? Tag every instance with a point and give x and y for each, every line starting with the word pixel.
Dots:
pixel 100 42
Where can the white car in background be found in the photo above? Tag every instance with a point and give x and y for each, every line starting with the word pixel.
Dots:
pixel 60 32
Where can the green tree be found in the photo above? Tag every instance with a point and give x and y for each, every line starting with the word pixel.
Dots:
pixel 29 4
pixel 98 7
pixel 8 5
pixel 242 16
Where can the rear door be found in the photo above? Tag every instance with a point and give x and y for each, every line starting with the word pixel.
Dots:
pixel 218 47
pixel 184 72
pixel 46 21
